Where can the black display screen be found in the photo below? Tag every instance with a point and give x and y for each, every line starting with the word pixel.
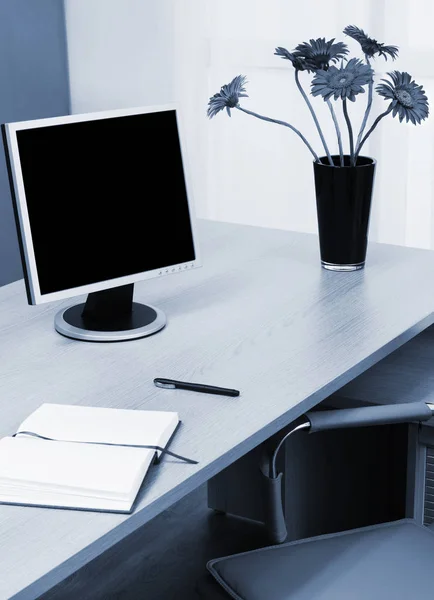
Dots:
pixel 106 198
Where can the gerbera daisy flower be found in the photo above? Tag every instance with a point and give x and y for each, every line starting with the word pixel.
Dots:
pixel 370 46
pixel 318 53
pixel 345 82
pixel 300 64
pixel 228 96
pixel 408 99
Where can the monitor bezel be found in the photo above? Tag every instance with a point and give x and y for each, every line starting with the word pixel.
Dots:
pixel 21 213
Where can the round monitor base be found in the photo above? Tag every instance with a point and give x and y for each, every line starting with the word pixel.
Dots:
pixel 144 320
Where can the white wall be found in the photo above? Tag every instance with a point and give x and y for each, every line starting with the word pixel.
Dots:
pixel 133 52
pixel 120 53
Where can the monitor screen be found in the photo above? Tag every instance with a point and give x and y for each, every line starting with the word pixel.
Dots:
pixel 106 198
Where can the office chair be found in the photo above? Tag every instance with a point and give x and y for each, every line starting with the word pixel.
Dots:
pixel 390 561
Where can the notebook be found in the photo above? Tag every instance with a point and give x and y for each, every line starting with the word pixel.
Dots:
pixel 67 471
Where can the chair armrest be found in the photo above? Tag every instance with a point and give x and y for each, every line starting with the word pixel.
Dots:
pixel 369 415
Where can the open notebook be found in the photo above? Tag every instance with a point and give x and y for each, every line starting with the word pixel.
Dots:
pixel 63 473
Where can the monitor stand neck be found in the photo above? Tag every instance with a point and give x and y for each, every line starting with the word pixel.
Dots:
pixel 110 305
pixel 110 316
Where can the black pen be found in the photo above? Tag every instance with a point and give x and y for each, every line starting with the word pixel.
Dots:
pixel 194 387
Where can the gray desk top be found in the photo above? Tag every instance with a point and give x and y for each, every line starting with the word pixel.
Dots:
pixel 260 316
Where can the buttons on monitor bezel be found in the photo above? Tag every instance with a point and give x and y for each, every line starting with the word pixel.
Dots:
pixel 175 269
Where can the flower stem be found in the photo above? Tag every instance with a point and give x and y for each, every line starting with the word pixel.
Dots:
pixel 350 132
pixel 377 120
pixel 338 132
pixel 368 109
pixel 249 112
pixel 312 112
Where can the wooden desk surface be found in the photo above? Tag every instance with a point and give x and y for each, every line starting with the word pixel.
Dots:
pixel 260 316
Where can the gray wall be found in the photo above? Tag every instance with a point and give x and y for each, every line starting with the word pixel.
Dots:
pixel 34 84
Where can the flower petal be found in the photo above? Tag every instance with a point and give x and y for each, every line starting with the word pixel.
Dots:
pixel 228 97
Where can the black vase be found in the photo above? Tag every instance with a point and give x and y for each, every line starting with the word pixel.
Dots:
pixel 343 201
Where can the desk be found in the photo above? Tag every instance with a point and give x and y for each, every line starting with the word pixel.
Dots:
pixel 260 316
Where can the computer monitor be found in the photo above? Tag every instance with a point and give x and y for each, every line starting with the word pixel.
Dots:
pixel 102 201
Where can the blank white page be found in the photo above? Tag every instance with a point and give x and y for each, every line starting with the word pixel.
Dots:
pixel 111 472
pixel 106 425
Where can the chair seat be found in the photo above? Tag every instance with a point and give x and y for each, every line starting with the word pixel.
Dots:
pixel 392 561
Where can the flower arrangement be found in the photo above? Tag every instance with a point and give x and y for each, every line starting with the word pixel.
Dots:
pixel 337 78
